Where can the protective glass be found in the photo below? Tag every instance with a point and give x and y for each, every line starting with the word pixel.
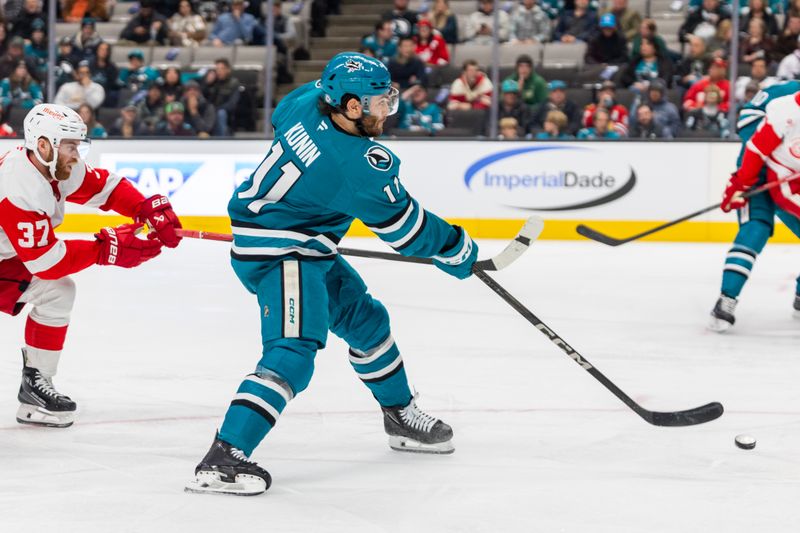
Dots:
pixel 72 150
pixel 383 105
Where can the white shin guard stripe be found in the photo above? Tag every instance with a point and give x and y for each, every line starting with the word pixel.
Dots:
pixel 270 385
pixel 744 271
pixel 383 371
pixel 252 398
pixel 741 255
pixel 363 358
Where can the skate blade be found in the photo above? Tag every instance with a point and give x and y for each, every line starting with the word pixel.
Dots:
pixel 717 325
pixel 210 483
pixel 39 416
pixel 404 444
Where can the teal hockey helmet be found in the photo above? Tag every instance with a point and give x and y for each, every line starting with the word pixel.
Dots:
pixel 362 76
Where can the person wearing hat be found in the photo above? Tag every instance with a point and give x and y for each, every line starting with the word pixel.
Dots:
pixel 512 106
pixel 606 99
pixel 20 89
pixel 86 40
pixel 628 20
pixel 532 87
pixel 137 75
pixel 416 113
pixel 233 27
pixel 14 54
pixel 128 124
pixel 557 101
pixel 146 26
pixel 82 90
pixel 608 46
pixel 430 45
pixel 694 97
pixel 665 113
pixel 37 49
pixel 200 113
pixel 530 24
pixel 480 25
pixel 578 24
pixel 174 123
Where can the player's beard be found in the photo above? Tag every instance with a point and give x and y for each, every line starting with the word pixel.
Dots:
pixel 372 126
pixel 63 171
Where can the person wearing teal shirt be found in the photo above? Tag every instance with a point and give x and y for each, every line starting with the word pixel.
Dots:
pixel 601 128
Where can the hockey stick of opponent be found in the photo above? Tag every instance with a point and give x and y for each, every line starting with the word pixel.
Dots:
pixel 530 232
pixel 595 235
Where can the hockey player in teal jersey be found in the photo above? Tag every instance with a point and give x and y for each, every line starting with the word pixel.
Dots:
pixel 756 216
pixel 322 171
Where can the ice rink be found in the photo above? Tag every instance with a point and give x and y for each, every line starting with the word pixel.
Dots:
pixel 155 354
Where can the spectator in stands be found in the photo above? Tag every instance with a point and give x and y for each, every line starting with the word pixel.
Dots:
pixel 22 24
pixel 791 7
pixel 137 75
pixel 665 113
pixel 14 54
pixel 601 127
pixel 694 97
pixel 186 27
pixel 651 63
pixel 556 126
pixel 20 89
pixel 480 27
pixel 557 101
pixel 94 130
pixel 416 113
pixel 76 10
pixel 608 46
pixel 789 67
pixel 509 129
pixel 709 117
pixel 3 39
pixel 200 113
pixel 85 42
pixel 174 123
pixel 37 49
pixel 172 88
pixel 759 75
pixel 703 22
pixel 695 64
pixel 532 87
pixel 146 25
pixel 648 28
pixel 758 9
pixel 512 106
pixel 5 128
pixel 530 24
pixel 382 41
pixel 471 90
pixel 105 72
pixel 403 20
pixel 234 27
pixel 128 124
pixel 167 8
pixel 150 109
pixel 756 43
pixel 787 41
pixel 224 91
pixel 82 90
pixel 444 21
pixel 606 99
pixel 720 44
pixel 645 126
pixel 578 24
pixel 66 62
pixel 628 20
pixel 406 68
pixel 430 45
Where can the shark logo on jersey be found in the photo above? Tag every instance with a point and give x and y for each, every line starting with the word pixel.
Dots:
pixel 379 158
pixel 353 65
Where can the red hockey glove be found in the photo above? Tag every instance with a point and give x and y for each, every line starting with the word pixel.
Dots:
pixel 157 213
pixel 732 197
pixel 121 247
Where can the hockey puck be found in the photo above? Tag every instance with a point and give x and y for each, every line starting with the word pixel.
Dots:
pixel 745 442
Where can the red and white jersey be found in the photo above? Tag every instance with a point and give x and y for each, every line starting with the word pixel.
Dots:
pixel 776 142
pixel 32 206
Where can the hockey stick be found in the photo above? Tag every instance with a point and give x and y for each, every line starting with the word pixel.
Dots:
pixel 595 235
pixel 530 232
pixel 689 417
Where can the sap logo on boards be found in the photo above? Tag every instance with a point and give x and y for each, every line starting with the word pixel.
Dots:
pixel 550 178
pixel 158 177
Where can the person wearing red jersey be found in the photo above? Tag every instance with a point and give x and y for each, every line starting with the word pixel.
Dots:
pixel 430 45
pixel 35 182
pixel 695 96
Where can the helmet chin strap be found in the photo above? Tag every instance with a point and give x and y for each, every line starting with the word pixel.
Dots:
pixel 51 165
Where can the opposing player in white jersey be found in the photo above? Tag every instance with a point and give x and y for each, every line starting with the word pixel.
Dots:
pixel 35 181
pixel 776 145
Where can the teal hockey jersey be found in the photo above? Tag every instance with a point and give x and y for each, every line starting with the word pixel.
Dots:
pixel 317 178
pixel 753 111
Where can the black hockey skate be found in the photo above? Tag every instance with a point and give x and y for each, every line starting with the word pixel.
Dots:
pixel 412 430
pixel 227 470
pixel 40 403
pixel 722 315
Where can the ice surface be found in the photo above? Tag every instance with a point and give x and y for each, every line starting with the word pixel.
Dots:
pixel 155 354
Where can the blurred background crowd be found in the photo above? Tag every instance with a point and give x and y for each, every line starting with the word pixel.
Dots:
pixel 513 69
